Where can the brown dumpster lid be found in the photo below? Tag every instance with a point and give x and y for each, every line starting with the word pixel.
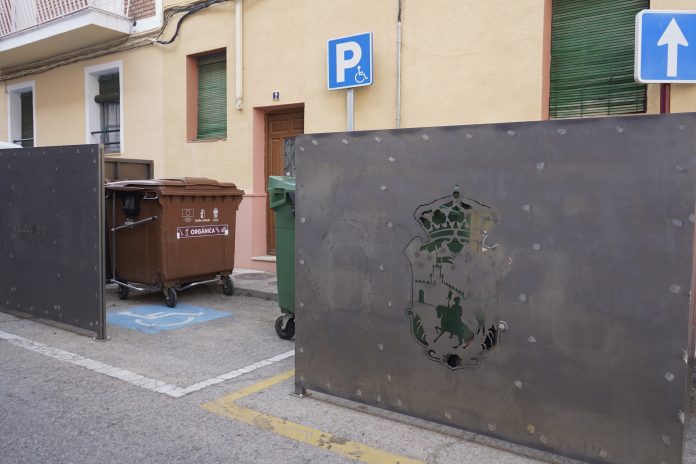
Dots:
pixel 175 184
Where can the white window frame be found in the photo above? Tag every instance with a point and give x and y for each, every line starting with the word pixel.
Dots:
pixel 14 109
pixel 93 109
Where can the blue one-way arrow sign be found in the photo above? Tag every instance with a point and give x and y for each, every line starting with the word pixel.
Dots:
pixel 665 47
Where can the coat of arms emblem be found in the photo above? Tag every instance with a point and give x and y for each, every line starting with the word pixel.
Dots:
pixel 456 280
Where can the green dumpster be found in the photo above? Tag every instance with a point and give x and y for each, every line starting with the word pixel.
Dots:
pixel 281 195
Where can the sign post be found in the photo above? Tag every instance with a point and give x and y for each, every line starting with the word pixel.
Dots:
pixel 349 65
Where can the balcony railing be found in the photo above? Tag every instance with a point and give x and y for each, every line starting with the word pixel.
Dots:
pixel 19 15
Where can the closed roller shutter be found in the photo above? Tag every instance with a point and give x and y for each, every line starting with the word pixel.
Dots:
pixel 592 52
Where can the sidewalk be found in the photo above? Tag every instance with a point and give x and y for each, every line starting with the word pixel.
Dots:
pixel 257 284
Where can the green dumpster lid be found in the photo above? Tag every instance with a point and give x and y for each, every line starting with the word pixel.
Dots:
pixel 286 183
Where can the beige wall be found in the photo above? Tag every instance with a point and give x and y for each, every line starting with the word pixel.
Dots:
pixel 463 62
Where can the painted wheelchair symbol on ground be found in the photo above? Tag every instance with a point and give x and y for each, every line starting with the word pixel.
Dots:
pixel 152 319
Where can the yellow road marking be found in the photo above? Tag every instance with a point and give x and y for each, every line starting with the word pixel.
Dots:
pixel 227 407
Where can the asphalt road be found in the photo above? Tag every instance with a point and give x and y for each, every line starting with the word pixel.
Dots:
pixel 68 399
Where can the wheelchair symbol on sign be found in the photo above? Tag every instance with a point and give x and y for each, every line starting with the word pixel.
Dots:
pixel 360 76
pixel 144 319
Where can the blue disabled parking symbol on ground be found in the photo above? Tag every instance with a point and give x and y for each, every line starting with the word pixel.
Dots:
pixel 153 319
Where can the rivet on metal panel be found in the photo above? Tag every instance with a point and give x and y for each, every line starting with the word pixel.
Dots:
pixel 389 304
pixel 522 297
pixel 399 403
pixel 380 346
pixel 526 208
pixel 315 142
pixel 381 267
pixel 301 350
pixel 425 137
pixel 383 188
pixel 540 166
pixel 96 295
pixel 302 378
pixel 58 275
pixel 669 376
pixel 511 133
pixel 619 129
pixel 676 223
pixel 531 339
pixel 674 288
pixel 562 131
pixel 358 392
pixel 469 135
pixel 681 417
pixel 518 384
pixel 12 187
pixel 11 255
pixel 301 304
pixel 345 141
pixel 379 399
pixel 543 439
pixel 301 148
pixel 531 429
pixel 603 453
pixel 685 357
pixel 303 220
pixel 390 225
pixel 666 441
pixel 392 159
pixel 378 139
pixel 56 168
pixel 492 427
pixel 448 415
pixel 328 385
pixel 45 312
pixel 536 247
pixel 389 378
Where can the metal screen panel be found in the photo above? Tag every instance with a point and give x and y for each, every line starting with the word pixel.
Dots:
pixel 51 234
pixel 527 281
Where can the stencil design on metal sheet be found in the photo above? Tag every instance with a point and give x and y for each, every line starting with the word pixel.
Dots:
pixel 456 281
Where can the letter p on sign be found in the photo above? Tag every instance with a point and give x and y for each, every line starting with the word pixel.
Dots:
pixel 349 61
pixel 343 62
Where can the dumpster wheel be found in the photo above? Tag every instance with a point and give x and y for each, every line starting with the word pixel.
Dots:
pixel 227 286
pixel 170 296
pixel 289 331
pixel 123 292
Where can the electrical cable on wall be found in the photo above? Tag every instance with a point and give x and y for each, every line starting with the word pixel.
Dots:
pixel 121 45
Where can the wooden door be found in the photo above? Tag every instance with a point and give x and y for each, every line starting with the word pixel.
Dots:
pixel 279 126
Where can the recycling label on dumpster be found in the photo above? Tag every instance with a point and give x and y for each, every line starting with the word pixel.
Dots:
pixel 202 231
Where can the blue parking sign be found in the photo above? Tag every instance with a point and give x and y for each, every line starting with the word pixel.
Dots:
pixel 665 47
pixel 350 61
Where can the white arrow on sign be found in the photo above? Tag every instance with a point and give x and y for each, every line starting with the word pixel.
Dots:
pixel 672 37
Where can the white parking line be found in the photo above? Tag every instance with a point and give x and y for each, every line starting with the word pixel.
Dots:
pixel 132 378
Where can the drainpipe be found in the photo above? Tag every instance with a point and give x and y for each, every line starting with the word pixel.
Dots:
pixel 398 67
pixel 238 71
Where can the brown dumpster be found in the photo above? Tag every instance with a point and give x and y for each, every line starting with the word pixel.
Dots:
pixel 171 234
